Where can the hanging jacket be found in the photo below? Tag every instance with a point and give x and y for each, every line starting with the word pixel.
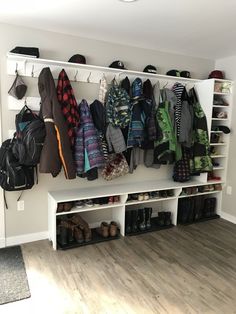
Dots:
pixel 166 148
pixel 115 139
pixel 88 151
pixel 66 98
pixel 56 150
pixel 178 90
pixel 201 160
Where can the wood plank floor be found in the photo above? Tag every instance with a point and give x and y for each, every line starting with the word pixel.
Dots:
pixel 189 269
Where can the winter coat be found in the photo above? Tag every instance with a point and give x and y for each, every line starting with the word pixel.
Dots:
pixel 186 121
pixel 88 151
pixel 115 139
pixel 56 150
pixel 66 98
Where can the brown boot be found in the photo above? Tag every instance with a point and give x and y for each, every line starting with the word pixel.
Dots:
pixel 83 225
pixel 78 235
pixel 67 207
pixel 60 208
pixel 103 230
pixel 113 229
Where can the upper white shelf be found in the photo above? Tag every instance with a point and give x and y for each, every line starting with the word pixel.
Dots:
pixel 27 66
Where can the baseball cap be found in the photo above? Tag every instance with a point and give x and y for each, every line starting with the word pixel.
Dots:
pixel 173 73
pixel 77 59
pixel 117 65
pixel 150 69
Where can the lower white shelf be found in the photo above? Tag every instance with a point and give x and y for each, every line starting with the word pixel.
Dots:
pixel 75 210
pixel 199 194
pixel 151 200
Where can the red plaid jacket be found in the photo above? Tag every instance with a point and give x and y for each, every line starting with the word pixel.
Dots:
pixel 66 98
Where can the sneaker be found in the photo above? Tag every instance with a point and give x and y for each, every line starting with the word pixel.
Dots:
pixel 141 197
pixel 88 203
pixel 146 196
pixel 96 201
pixel 170 193
pixel 134 196
pixel 116 199
pixel 218 187
pixel 163 193
pixel 79 204
pixel 110 200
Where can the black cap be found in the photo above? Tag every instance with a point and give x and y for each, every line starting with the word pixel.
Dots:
pixel 117 65
pixel 173 73
pixel 150 69
pixel 77 59
pixel 185 74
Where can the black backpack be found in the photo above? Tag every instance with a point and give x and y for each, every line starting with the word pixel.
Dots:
pixel 13 175
pixel 30 135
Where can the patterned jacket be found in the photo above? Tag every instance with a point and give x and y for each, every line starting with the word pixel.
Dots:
pixel 88 152
pixel 66 98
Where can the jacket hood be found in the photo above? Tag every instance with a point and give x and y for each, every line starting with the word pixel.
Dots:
pixel 46 83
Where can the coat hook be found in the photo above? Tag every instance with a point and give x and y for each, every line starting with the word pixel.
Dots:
pixel 32 72
pixel 88 79
pixel 75 77
pixel 16 67
pixel 165 84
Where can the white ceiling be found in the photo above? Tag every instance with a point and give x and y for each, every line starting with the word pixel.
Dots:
pixel 204 28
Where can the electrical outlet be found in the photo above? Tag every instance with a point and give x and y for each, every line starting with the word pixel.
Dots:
pixel 229 190
pixel 20 205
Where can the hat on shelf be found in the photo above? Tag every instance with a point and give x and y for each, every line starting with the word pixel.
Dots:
pixel 185 74
pixel 18 88
pixel 216 74
pixel 27 51
pixel 78 59
pixel 173 73
pixel 150 69
pixel 117 65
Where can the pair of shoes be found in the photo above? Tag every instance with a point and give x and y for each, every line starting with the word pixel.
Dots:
pixel 64 207
pixel 206 188
pixel 143 196
pixel 209 207
pixel 106 230
pixel 217 187
pixel 164 218
pixel 113 200
pixel 82 203
pixel 212 177
pixel 154 194
pixel 83 227
pixel 220 115
pixel 167 193
pixel 138 220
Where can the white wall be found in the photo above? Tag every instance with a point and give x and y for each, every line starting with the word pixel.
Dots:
pixel 60 47
pixel 228 65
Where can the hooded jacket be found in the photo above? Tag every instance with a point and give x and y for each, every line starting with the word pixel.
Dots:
pixel 56 150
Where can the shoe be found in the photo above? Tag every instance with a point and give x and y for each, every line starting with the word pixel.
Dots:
pixel 154 194
pixel 128 222
pixel 88 203
pixel 210 188
pixel 167 218
pixel 96 201
pixel 113 229
pixel 129 198
pixel 217 187
pixel 188 191
pixel 83 225
pixel 163 193
pixel 134 196
pixel 67 206
pixel 103 230
pixel 148 214
pixel 110 200
pixel 62 238
pixel 79 204
pixel 141 219
pixel 60 208
pixel 78 235
pixel 194 190
pixel 170 193
pixel 141 197
pixel 116 199
pixel 222 115
pixel 146 196
pixel 161 219
pixel 134 220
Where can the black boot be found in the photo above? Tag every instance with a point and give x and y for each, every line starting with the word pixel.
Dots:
pixel 141 219
pixel 148 214
pixel 167 218
pixel 134 220
pixel 128 219
pixel 62 239
pixel 161 219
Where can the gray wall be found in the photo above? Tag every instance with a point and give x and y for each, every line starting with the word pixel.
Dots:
pixel 228 65
pixel 60 47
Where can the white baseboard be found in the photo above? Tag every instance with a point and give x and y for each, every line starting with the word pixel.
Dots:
pixel 228 217
pixel 2 242
pixel 26 238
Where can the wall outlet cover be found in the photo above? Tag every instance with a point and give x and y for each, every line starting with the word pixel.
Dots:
pixel 20 205
pixel 229 190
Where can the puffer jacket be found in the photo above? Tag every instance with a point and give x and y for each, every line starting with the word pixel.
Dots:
pixel 56 150
pixel 88 150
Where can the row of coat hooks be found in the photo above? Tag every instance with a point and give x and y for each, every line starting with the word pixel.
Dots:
pixel 96 75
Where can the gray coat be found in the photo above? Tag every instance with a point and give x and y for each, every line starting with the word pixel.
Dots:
pixel 115 139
